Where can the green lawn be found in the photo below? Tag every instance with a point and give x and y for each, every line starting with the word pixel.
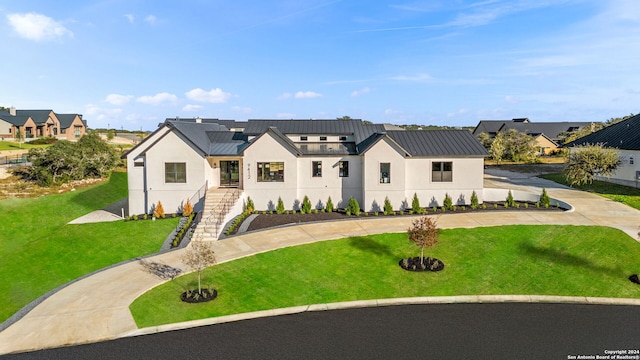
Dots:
pixel 620 193
pixel 39 252
pixel 518 259
pixel 11 145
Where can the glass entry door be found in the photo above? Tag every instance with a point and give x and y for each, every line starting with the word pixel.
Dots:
pixel 230 173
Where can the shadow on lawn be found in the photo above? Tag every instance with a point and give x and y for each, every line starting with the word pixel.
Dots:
pixel 561 258
pixel 104 194
pixel 366 244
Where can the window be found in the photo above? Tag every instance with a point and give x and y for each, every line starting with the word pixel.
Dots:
pixel 138 163
pixel 63 131
pixel 323 138
pixel 343 168
pixel 270 172
pixel 316 168
pixel 175 172
pixel 631 160
pixel 343 138
pixel 441 171
pixel 303 138
pixel 76 132
pixel 385 173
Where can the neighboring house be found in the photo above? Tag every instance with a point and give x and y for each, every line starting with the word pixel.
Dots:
pixel 41 123
pixel 548 135
pixel 291 159
pixel 625 137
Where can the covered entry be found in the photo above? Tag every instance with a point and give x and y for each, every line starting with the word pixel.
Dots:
pixel 229 173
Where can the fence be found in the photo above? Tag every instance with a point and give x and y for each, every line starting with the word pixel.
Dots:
pixel 13 159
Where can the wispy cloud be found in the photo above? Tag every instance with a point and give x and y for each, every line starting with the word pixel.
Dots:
pixel 116 99
pixel 130 17
pixel 151 19
pixel 421 77
pixel 190 107
pixel 360 92
pixel 37 27
pixel 300 95
pixel 101 114
pixel 215 96
pixel 158 99
pixel 243 110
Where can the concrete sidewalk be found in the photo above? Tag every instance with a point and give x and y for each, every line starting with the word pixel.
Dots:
pixel 97 308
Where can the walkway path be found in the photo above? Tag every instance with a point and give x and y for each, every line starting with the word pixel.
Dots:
pixel 97 308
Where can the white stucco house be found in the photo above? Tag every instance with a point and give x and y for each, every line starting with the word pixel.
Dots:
pixel 624 137
pixel 290 159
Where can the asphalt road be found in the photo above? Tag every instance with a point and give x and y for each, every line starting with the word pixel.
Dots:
pixel 448 331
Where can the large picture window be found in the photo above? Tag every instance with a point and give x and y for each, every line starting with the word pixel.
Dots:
pixel 175 172
pixel 385 173
pixel 270 172
pixel 316 168
pixel 343 167
pixel 441 171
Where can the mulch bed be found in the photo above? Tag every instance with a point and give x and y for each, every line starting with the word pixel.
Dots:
pixel 265 221
pixel 428 264
pixel 634 279
pixel 194 297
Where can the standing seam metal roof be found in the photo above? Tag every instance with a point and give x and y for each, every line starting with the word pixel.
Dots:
pixel 624 135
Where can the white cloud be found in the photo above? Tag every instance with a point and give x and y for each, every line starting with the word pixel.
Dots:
pixel 215 96
pixel 361 92
pixel 460 112
pixel 158 99
pixel 421 77
pixel 130 17
pixel 37 27
pixel 307 95
pixel 116 99
pixel 244 110
pixel 151 19
pixel 190 107
pixel 101 114
pixel 392 112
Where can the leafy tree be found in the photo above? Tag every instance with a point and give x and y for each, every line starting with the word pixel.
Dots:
pixel 280 206
pixel 111 134
pixel 415 204
pixel 329 207
pixel 344 118
pixel 448 202
pixel 485 139
pixel 497 148
pixel 306 205
pixel 199 256
pixel 424 233
pixel 388 209
pixel 586 162
pixel 519 146
pixel 19 136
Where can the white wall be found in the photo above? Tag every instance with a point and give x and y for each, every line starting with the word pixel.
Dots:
pixel 268 149
pixel 383 152
pixel 318 189
pixel 626 172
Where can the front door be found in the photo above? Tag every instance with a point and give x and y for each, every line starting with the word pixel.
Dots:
pixel 230 173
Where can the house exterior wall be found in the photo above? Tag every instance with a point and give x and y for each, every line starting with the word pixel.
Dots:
pixel 265 194
pixel 546 146
pixel 28 125
pixel 627 171
pixel 330 184
pixel 70 132
pixel 5 129
pixel 374 192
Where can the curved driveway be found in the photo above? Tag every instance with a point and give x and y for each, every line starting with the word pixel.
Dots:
pixel 97 308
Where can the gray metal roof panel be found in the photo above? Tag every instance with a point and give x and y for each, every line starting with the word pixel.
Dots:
pixel 196 132
pixel 438 143
pixel 624 135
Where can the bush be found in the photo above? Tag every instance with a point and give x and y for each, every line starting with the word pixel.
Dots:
pixel 280 206
pixel 250 206
pixel 353 207
pixel 510 202
pixel 447 204
pixel 187 209
pixel 545 200
pixel 306 205
pixel 158 213
pixel 474 200
pixel 329 206
pixel 415 205
pixel 388 209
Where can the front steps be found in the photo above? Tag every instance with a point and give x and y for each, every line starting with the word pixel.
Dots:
pixel 217 205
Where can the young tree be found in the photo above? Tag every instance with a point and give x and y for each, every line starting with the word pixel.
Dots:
pixel 544 200
pixel 353 207
pixel 474 200
pixel 306 205
pixel 158 212
pixel 329 207
pixel 447 204
pixel 199 256
pixel 19 136
pixel 424 233
pixel 280 206
pixel 388 208
pixel 415 204
pixel 587 161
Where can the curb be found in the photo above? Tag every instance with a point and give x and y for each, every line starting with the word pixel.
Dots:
pixel 467 299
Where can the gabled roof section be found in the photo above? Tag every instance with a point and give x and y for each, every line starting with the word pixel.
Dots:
pixel 17 120
pixel 438 143
pixel 226 143
pixel 624 135
pixel 377 137
pixel 551 129
pixel 38 116
pixel 67 119
pixel 280 137
pixel 490 127
pixel 229 124
pixel 196 132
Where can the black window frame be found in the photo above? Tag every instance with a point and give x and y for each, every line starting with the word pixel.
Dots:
pixel 262 175
pixel 316 168
pixel 343 168
pixel 172 173
pixel 442 171
pixel 382 173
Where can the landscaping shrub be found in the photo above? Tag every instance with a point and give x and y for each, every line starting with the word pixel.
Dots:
pixel 250 206
pixel 187 209
pixel 447 204
pixel 415 205
pixel 353 207
pixel 306 205
pixel 474 200
pixel 280 206
pixel 545 200
pixel 388 209
pixel 510 202
pixel 158 213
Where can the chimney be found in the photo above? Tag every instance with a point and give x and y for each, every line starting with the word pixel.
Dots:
pixel 198 120
pixel 12 111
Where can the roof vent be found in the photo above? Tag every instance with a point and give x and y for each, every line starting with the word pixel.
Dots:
pixel 198 120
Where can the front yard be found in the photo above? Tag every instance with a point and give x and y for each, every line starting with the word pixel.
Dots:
pixel 620 193
pixel 39 251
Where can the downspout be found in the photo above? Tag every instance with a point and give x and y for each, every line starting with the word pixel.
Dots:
pixel 144 186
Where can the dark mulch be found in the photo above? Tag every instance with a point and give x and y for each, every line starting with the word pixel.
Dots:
pixel 634 278
pixel 194 297
pixel 265 221
pixel 428 264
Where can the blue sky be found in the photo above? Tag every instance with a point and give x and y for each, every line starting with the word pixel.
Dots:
pixel 131 64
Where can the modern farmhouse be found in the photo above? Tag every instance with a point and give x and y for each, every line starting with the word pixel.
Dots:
pixel 291 159
pixel 33 124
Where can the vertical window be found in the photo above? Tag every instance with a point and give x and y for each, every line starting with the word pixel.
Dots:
pixel 303 138
pixel 343 167
pixel 631 160
pixel 343 138
pixel 385 173
pixel 270 172
pixel 76 132
pixel 441 171
pixel 323 138
pixel 316 168
pixel 175 172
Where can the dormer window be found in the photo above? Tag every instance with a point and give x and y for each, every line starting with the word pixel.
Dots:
pixel 303 138
pixel 323 138
pixel 343 138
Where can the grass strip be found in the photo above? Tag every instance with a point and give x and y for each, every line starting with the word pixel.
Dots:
pixel 624 194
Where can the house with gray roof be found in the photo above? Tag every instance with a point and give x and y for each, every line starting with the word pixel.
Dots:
pixel 32 124
pixel 291 159
pixel 624 137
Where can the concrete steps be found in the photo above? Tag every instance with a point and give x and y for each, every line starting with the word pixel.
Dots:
pixel 217 204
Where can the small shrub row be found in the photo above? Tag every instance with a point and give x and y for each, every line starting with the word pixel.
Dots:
pixel 236 222
pixel 184 230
